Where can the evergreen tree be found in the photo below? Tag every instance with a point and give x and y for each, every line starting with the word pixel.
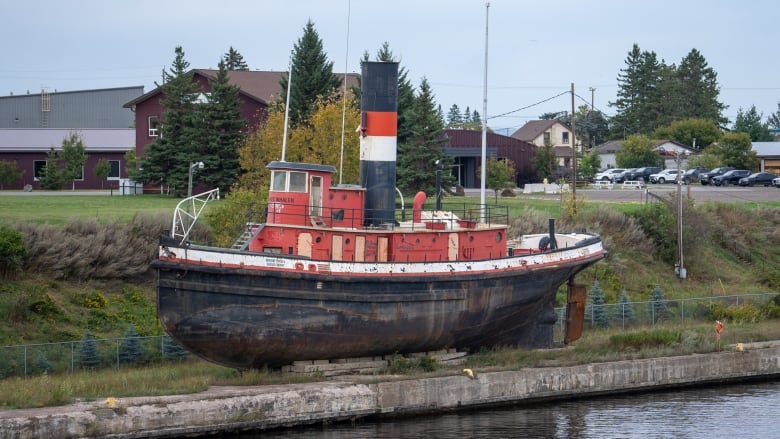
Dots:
pixel 234 60
pixel 416 168
pixel 658 308
pixel 173 350
pixel 698 90
pixel 312 75
pixel 624 311
pixel 173 152
pixel 592 126
pixel 51 176
pixel 88 356
pixel 774 119
pixel 43 363
pixel 476 120
pixel 454 118
pixel 222 135
pixel 638 101
pixel 750 122
pixel 130 350
pixel 598 310
pixel 466 118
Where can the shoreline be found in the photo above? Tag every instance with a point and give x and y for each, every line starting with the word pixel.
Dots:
pixel 221 410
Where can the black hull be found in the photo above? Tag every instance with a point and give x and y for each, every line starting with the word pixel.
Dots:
pixel 253 318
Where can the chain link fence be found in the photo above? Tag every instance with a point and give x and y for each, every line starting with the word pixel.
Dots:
pixel 36 359
pixel 650 313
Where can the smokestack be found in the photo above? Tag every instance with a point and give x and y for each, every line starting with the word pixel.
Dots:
pixel 378 141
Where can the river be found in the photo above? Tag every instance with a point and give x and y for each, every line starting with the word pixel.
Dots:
pixel 735 411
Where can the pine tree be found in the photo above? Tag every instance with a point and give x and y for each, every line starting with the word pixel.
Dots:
pixel 416 168
pixel 312 76
pixel 88 356
pixel 222 134
pixel 234 60
pixel 43 363
pixel 51 176
pixel 638 101
pixel 454 118
pixel 173 152
pixel 598 310
pixel 658 308
pixel 466 116
pixel 697 90
pixel 750 122
pixel 130 350
pixel 624 311
pixel 774 119
pixel 173 350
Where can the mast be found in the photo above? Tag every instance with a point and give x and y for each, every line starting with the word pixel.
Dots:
pixel 287 108
pixel 483 176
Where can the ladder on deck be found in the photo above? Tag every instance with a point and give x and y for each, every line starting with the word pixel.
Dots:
pixel 242 242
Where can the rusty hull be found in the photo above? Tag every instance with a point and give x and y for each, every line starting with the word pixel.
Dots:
pixel 250 318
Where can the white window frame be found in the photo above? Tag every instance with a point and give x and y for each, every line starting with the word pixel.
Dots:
pixel 153 123
pixel 280 181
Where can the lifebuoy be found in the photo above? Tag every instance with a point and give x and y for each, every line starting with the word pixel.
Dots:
pixel 523 262
pixel 299 265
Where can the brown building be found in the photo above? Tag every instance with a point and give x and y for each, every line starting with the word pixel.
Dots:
pixel 465 147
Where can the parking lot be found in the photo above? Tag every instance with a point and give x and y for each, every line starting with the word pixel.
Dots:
pixel 754 194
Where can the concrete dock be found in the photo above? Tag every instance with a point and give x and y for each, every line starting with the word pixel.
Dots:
pixel 234 409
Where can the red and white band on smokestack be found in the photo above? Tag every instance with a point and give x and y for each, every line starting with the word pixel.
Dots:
pixel 378 140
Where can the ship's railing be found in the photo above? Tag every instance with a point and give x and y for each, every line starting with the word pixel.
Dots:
pixel 452 216
pixel 187 213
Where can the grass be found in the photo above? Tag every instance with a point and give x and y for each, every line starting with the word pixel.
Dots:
pixel 59 209
pixel 191 376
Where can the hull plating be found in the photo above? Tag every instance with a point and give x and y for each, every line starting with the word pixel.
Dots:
pixel 250 318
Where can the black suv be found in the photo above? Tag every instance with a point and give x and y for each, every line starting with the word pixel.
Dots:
pixel 730 177
pixel 692 175
pixel 642 174
pixel 706 178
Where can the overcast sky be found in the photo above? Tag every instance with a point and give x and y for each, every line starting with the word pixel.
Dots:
pixel 536 49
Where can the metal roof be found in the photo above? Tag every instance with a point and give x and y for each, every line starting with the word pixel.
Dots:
pixel 36 140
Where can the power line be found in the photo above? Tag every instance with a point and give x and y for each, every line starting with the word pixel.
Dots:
pixel 529 106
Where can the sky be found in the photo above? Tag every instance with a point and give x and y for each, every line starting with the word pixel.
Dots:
pixel 535 51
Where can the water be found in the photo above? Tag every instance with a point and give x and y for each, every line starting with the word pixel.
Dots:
pixel 728 411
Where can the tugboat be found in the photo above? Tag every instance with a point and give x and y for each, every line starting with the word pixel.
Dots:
pixel 335 272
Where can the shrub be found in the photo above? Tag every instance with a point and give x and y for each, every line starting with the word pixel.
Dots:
pixel 12 252
pixel 645 339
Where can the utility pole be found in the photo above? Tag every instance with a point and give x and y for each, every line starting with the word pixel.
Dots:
pixel 592 90
pixel 573 156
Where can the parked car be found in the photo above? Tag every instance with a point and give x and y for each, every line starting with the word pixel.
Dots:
pixel 706 177
pixel 776 182
pixel 620 177
pixel 730 177
pixel 692 175
pixel 642 173
pixel 757 178
pixel 665 175
pixel 606 175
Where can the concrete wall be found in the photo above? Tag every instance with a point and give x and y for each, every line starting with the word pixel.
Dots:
pixel 227 409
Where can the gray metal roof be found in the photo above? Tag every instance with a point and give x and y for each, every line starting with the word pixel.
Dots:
pixel 28 140
pixel 766 149
pixel 74 109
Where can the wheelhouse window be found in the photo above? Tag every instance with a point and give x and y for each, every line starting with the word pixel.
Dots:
pixel 565 138
pixel 113 170
pixel 154 126
pixel 288 181
pixel 39 169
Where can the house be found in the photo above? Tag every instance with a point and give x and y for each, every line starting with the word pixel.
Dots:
pixel 769 156
pixel 548 132
pixel 257 90
pixel 668 149
pixel 465 148
pixel 33 123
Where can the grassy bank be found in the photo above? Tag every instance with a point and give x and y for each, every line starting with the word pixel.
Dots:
pixel 87 269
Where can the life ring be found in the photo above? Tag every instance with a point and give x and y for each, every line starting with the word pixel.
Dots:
pixel 299 265
pixel 523 262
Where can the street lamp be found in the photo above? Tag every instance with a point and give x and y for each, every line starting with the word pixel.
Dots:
pixel 198 165
pixel 680 269
pixel 438 184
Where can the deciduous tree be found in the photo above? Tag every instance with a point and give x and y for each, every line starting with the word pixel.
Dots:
pixel 637 151
pixel 101 170
pixel 9 173
pixel 735 149
pixel 499 174
pixel 696 133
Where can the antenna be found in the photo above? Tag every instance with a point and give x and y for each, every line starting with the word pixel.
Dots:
pixel 344 98
pixel 483 176
pixel 287 108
